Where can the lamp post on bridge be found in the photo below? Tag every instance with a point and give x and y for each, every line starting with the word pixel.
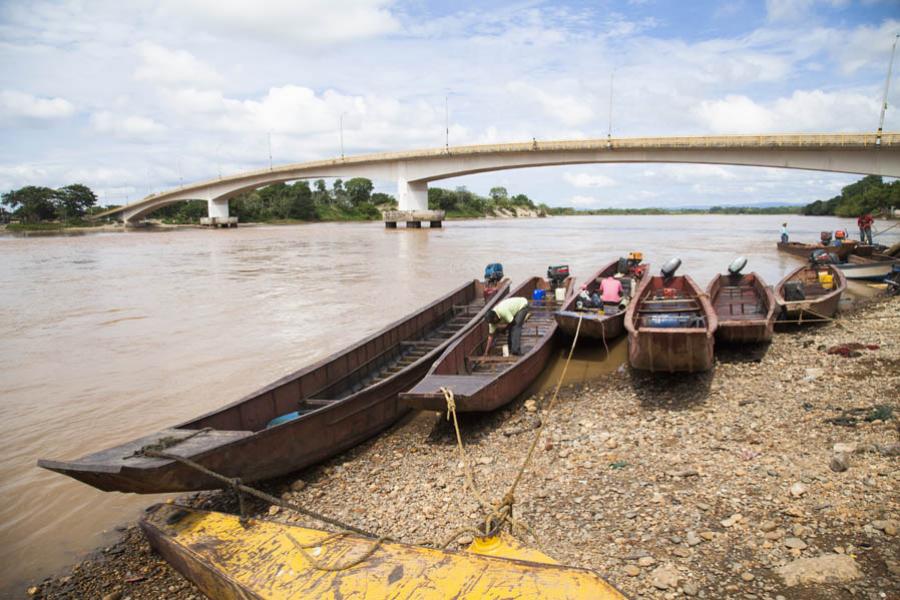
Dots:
pixel 887 85
pixel 342 134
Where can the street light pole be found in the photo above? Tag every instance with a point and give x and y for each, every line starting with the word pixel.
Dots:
pixel 887 85
pixel 342 135
pixel 447 122
pixel 609 129
pixel 270 150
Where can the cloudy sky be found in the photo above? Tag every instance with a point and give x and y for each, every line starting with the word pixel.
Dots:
pixel 135 97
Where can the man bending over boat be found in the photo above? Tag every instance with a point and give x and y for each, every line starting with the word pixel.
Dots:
pixel 510 315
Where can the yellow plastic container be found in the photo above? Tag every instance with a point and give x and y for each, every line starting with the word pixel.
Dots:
pixel 638 256
pixel 826 280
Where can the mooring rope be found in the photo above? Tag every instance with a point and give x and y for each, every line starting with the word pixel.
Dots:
pixel 502 511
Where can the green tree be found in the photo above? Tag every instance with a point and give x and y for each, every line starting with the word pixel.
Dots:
pixel 74 200
pixel 321 196
pixel 499 194
pixel 31 203
pixel 359 190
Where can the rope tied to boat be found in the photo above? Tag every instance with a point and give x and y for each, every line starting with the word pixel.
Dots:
pixel 501 512
pixel 242 488
pixel 164 443
pixel 302 548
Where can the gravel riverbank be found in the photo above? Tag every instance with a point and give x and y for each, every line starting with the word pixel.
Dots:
pixel 775 475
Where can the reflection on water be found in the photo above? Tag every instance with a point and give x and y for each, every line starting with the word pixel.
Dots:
pixel 111 336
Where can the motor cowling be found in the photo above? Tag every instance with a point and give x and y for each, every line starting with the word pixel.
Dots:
pixel 493 273
pixel 557 274
pixel 670 267
pixel 737 265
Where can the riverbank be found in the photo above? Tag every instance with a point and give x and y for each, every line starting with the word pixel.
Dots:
pixel 667 486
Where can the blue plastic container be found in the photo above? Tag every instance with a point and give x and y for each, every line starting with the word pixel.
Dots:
pixel 538 296
pixel 667 321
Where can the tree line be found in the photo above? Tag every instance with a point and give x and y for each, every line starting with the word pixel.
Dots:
pixel 463 203
pixel 868 195
pixel 35 204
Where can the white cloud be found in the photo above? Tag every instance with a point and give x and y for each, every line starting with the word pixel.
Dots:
pixel 309 22
pixel 15 104
pixel 567 109
pixel 583 201
pixel 587 180
pixel 163 66
pixel 802 111
pixel 126 127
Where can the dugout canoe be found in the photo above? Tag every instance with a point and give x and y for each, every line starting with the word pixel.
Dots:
pixel 483 383
pixel 671 326
pixel 819 302
pixel 745 308
pixel 230 558
pixel 595 325
pixel 324 409
pixel 874 267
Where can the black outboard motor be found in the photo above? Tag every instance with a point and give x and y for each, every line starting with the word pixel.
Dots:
pixel 493 273
pixel 825 236
pixel 737 265
pixel 670 267
pixel 557 275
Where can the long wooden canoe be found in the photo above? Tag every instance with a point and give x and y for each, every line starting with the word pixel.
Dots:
pixel 819 302
pixel 483 383
pixel 230 558
pixel 670 324
pixel 804 250
pixel 873 267
pixel 745 307
pixel 595 325
pixel 324 409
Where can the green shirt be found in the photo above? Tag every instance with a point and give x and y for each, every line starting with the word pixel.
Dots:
pixel 506 310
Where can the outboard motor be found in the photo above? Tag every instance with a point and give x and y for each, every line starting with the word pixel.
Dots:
pixel 825 236
pixel 557 274
pixel 670 267
pixel 737 265
pixel 493 273
pixel 822 257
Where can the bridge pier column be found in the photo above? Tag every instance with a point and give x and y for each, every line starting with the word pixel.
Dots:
pixel 412 195
pixel 217 209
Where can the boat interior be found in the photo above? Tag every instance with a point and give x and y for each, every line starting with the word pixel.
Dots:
pixel 367 364
pixel 669 303
pixel 739 298
pixel 809 283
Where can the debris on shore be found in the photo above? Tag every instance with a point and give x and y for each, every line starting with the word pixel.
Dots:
pixel 774 476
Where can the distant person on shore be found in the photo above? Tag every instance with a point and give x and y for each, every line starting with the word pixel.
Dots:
pixel 865 222
pixel 509 314
pixel 784 233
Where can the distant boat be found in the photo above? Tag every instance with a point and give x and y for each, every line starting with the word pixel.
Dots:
pixel 483 383
pixel 670 325
pixel 300 419
pixel 596 325
pixel 804 250
pixel 802 295
pixel 745 307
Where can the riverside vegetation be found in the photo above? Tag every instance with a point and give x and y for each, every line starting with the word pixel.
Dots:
pixel 773 476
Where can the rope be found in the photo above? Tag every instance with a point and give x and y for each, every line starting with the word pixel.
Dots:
pixel 501 512
pixel 884 230
pixel 239 488
pixel 341 567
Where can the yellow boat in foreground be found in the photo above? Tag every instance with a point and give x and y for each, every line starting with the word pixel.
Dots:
pixel 261 559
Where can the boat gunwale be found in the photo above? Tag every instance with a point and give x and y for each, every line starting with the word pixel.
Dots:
pixel 792 305
pixel 759 284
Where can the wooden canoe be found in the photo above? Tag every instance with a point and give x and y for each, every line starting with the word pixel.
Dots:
pixel 804 250
pixel 230 558
pixel 820 302
pixel 595 325
pixel 339 402
pixel 652 347
pixel 483 383
pixel 745 308
pixel 873 267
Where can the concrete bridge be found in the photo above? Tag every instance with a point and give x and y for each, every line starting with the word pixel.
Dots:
pixel 869 154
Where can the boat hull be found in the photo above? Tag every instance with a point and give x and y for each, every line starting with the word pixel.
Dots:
pixel 804 250
pixel 235 441
pixel 821 306
pixel 676 349
pixel 232 558
pixel 480 392
pixel 867 269
pixel 748 318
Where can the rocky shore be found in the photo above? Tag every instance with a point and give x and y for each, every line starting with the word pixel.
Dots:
pixel 777 475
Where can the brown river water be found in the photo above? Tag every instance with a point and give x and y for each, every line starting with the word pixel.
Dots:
pixel 106 337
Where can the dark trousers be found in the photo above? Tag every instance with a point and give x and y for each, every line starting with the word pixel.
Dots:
pixel 515 332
